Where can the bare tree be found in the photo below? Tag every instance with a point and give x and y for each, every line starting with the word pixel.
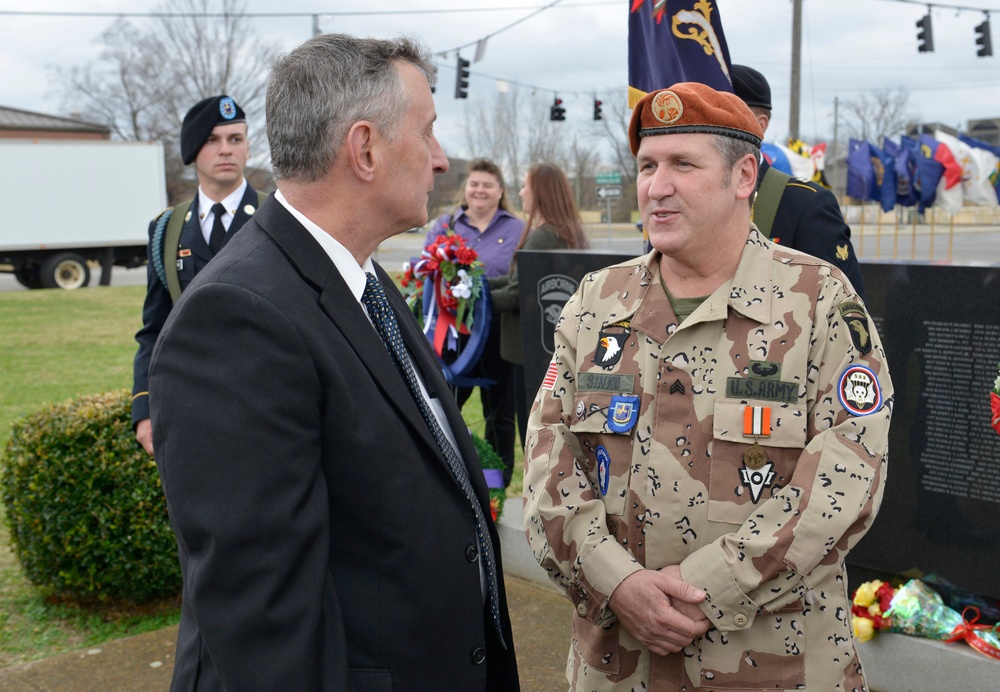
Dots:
pixel 546 139
pixel 584 159
pixel 492 130
pixel 873 117
pixel 614 129
pixel 147 77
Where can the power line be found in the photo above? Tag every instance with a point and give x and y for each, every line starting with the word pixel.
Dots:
pixel 272 15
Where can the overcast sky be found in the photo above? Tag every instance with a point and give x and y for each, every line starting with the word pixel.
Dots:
pixel 579 47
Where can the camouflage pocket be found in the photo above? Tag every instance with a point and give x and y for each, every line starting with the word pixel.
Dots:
pixel 770 655
pixel 597 646
pixel 608 453
pixel 742 477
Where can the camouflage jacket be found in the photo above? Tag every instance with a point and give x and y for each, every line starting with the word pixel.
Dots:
pixel 637 457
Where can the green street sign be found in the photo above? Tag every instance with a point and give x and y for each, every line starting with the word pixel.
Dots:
pixel 608 178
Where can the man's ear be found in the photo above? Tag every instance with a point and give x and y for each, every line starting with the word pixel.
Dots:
pixel 746 177
pixel 360 149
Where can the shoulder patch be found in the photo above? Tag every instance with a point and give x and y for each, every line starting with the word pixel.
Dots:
pixel 859 391
pixel 854 315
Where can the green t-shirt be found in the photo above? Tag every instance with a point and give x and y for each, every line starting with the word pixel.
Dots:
pixel 683 307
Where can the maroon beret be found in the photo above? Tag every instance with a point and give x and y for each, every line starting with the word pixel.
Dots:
pixel 692 107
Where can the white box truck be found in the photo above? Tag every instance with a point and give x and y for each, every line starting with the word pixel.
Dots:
pixel 67 203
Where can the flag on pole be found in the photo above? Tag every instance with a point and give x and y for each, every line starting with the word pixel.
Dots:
pixel 671 41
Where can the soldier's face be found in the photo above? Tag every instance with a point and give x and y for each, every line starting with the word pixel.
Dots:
pixel 690 200
pixel 224 155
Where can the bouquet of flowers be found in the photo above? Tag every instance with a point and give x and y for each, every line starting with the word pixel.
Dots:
pixel 915 608
pixel 995 403
pixel 451 270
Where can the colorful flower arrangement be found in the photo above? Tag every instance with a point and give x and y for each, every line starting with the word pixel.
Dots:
pixel 915 608
pixel 995 402
pixel 453 269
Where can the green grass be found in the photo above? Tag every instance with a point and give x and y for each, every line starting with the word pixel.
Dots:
pixel 57 345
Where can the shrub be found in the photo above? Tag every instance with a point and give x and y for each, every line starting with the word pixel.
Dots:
pixel 87 517
pixel 489 459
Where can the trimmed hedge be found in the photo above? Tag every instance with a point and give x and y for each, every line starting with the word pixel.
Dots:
pixel 87 517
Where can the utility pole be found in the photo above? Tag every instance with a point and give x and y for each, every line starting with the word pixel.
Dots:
pixel 793 101
pixel 832 158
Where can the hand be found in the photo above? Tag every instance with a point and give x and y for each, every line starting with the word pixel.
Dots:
pixel 660 609
pixel 144 434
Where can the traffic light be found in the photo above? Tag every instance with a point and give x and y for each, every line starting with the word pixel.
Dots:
pixel 462 79
pixel 597 109
pixel 925 35
pixel 557 112
pixel 983 39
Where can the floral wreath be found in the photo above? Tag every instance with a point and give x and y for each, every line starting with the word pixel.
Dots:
pixel 444 288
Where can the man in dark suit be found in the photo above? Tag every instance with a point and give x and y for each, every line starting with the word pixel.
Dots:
pixel 807 216
pixel 214 138
pixel 331 515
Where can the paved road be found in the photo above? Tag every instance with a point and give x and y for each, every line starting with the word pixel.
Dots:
pixel 966 245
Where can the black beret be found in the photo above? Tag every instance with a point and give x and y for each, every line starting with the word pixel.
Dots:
pixel 751 86
pixel 202 119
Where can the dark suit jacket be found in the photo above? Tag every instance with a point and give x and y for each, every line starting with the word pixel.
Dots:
pixel 323 541
pixel 158 304
pixel 809 219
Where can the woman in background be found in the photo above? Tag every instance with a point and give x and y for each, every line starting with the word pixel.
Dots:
pixel 552 223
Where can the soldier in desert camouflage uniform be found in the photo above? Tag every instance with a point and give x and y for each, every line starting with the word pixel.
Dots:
pixel 710 440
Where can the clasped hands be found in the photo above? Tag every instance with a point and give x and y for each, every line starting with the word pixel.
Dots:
pixel 660 609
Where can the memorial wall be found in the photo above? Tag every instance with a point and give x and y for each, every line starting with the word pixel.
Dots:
pixel 940 326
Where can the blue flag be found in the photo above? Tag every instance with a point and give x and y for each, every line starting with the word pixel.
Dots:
pixel 675 41
pixel 905 194
pixel 860 174
pixel 884 184
pixel 926 173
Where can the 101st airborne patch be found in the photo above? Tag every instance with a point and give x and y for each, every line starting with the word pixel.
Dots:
pixel 854 314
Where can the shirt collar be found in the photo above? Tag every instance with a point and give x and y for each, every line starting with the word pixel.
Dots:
pixel 231 201
pixel 352 272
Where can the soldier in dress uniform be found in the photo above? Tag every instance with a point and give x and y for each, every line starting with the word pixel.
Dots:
pixel 214 138
pixel 710 439
pixel 806 215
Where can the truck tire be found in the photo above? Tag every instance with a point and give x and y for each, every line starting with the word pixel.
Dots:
pixel 66 270
pixel 28 277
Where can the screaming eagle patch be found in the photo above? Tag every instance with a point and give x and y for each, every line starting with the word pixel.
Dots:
pixel 611 343
pixel 859 391
pixel 853 313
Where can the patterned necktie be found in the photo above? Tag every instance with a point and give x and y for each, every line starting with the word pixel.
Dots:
pixel 218 230
pixel 384 319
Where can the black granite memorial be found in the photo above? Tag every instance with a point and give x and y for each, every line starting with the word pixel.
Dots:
pixel 940 326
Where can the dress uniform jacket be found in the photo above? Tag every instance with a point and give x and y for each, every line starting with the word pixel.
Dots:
pixel 809 219
pixel 324 543
pixel 636 459
pixel 193 254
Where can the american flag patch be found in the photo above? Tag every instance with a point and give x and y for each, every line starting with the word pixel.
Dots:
pixel 550 376
pixel 757 421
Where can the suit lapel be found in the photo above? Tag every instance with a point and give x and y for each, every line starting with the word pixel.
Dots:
pixel 343 309
pixel 245 209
